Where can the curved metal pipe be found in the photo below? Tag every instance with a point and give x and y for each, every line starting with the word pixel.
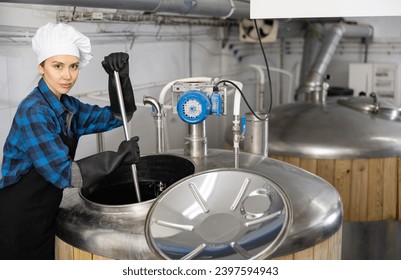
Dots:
pixel 261 82
pixel 312 45
pixel 159 122
pixel 153 101
pixel 314 81
pixel 222 8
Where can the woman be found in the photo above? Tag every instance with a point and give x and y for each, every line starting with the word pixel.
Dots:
pixel 38 158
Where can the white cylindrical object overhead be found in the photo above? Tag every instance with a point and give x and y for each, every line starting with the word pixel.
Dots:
pixel 213 8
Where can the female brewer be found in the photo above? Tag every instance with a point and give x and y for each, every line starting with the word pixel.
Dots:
pixel 38 158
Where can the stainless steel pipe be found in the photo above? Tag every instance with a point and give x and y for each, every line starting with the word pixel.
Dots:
pixel 195 140
pixel 126 132
pixel 314 79
pixel 158 115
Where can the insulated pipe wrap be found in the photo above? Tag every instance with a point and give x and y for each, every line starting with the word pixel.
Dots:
pixel 209 8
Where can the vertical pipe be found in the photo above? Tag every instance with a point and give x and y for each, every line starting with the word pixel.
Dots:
pixel 160 134
pixel 236 139
pixel 195 141
pixel 314 80
pixel 158 116
pixel 261 85
pixel 312 44
pixel 100 142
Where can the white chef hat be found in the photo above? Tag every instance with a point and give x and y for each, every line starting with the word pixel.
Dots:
pixel 58 39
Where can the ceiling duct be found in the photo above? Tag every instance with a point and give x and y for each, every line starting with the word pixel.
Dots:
pixel 233 9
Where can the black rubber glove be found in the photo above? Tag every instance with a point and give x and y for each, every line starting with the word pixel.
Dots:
pixel 97 167
pixel 119 62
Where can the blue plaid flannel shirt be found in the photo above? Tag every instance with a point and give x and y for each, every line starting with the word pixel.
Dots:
pixel 34 141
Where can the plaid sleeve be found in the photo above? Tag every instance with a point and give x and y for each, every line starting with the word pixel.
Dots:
pixel 44 146
pixel 94 119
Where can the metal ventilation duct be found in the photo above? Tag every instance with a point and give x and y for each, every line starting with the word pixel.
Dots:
pixel 314 78
pixel 222 8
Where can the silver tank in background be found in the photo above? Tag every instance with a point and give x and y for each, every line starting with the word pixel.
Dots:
pixel 353 142
pixel 340 128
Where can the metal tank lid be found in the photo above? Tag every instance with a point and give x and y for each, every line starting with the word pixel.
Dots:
pixel 219 214
pixel 357 127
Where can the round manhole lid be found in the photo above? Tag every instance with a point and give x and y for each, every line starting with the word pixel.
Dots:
pixel 219 214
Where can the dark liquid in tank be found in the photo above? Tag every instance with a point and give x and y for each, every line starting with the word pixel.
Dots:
pixel 124 193
pixel 155 173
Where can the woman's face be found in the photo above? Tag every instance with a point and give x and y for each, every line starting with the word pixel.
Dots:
pixel 60 73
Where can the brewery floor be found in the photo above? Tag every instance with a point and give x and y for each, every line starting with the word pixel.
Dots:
pixel 376 240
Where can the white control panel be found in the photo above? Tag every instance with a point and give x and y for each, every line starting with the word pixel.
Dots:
pixel 380 78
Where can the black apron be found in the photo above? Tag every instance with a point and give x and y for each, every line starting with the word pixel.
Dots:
pixel 28 212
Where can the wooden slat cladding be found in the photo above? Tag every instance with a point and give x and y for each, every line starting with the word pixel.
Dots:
pixel 342 182
pixel 65 251
pixel 329 249
pixel 370 189
pixel 391 189
pixel 359 190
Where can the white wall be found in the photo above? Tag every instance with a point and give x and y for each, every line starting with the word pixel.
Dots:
pixel 161 54
pixel 157 56
pixel 385 48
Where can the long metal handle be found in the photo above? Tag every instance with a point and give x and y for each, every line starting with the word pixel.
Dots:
pixel 126 132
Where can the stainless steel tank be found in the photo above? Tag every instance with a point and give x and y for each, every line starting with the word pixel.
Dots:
pixel 340 128
pixel 106 221
pixel 354 143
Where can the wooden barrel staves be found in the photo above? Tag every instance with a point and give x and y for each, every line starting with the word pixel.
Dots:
pixel 329 249
pixel 369 188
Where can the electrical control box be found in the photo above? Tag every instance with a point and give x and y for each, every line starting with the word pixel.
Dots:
pixel 380 78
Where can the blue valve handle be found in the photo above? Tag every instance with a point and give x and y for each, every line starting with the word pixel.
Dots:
pixel 243 124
